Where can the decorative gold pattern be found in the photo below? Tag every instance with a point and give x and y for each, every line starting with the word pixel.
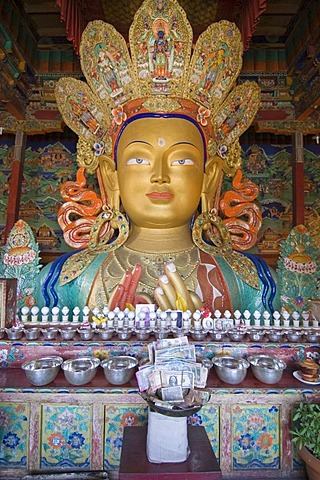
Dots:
pixel 160 76
pixel 77 263
pixel 220 244
pixel 124 259
pixel 86 157
pixel 233 161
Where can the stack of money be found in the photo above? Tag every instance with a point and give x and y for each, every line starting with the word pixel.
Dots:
pixel 172 375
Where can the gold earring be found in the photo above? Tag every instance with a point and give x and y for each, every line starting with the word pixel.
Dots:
pixel 101 240
pixel 102 231
pixel 210 225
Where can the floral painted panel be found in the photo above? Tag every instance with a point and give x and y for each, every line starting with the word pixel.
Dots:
pixel 208 417
pixel 255 437
pixel 66 436
pixel 14 428
pixel 116 418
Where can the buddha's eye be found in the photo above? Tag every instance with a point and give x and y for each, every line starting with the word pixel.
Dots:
pixel 184 161
pixel 138 161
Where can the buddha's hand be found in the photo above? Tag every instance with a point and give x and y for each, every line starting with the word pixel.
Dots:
pixel 125 295
pixel 172 293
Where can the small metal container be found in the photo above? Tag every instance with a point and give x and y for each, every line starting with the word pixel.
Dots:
pixel 294 335
pixel 14 333
pixel 79 371
pixel 161 333
pixel 256 335
pixel 274 335
pixel 85 333
pixel 198 334
pixel 32 333
pixel 49 333
pixel 313 336
pixel 142 333
pixel 124 333
pixel 105 333
pixel 230 369
pixel 217 335
pixel 120 369
pixel 68 333
pixel 267 369
pixel 42 371
pixel 237 335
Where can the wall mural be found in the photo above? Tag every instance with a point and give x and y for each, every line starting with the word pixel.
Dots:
pixel 47 166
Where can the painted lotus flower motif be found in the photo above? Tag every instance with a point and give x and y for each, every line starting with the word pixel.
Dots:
pixel 203 114
pixel 308 267
pixel 119 116
pixel 18 260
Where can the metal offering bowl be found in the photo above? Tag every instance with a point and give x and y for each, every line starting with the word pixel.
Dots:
pixel 14 333
pixel 237 335
pixel 32 333
pixel 142 333
pixel 199 334
pixel 274 335
pixel 231 370
pixel 105 333
pixel 42 371
pixel 267 369
pixel 124 334
pixel 68 333
pixel 294 336
pixel 49 333
pixel 85 333
pixel 161 333
pixel 218 335
pixel 313 336
pixel 256 335
pixel 79 371
pixel 120 369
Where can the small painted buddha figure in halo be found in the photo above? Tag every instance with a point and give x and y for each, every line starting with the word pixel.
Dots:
pixel 160 231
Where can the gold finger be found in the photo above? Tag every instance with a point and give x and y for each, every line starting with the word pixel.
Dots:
pixel 161 299
pixel 169 290
pixel 178 284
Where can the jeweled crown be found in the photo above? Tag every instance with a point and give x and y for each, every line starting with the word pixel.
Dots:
pixel 162 73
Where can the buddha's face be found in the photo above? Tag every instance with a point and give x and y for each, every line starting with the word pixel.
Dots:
pixel 160 171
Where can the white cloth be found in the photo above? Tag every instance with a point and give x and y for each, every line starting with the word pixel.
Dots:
pixel 167 438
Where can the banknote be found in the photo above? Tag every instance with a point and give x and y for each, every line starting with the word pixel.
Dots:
pixel 170 342
pixel 172 394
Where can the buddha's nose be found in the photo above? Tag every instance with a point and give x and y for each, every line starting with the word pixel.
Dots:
pixel 160 172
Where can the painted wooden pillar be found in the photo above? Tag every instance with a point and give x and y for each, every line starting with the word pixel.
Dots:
pixel 297 180
pixel 15 182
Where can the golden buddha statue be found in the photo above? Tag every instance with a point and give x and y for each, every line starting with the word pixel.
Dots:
pixel 160 145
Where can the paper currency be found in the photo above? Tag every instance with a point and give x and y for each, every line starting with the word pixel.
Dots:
pixel 172 394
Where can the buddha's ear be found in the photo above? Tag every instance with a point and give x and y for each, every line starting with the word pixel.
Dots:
pixel 108 178
pixel 211 182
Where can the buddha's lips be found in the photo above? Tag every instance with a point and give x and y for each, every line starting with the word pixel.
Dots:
pixel 160 196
